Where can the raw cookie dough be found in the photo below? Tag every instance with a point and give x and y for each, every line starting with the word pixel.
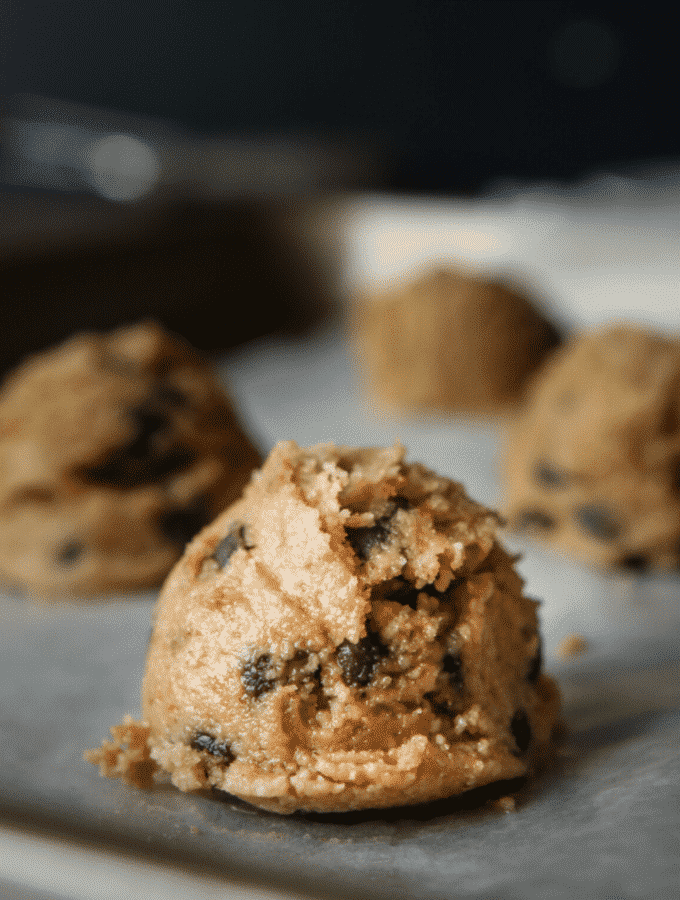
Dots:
pixel 593 464
pixel 114 451
pixel 450 342
pixel 348 635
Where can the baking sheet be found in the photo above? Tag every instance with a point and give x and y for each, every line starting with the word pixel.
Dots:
pixel 604 824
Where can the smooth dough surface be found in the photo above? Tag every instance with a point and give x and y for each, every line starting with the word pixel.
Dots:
pixel 593 463
pixel 450 342
pixel 114 451
pixel 347 635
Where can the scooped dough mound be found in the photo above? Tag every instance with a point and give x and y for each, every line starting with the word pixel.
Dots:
pixel 114 451
pixel 593 464
pixel 451 343
pixel 347 635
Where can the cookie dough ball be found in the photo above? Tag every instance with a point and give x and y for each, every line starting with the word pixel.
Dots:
pixel 452 343
pixel 348 635
pixel 593 464
pixel 114 451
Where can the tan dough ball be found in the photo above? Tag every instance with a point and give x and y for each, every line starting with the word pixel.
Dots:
pixel 114 451
pixel 451 343
pixel 593 464
pixel 347 635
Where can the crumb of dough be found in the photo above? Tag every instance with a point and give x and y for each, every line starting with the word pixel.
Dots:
pixel 506 804
pixel 572 645
pixel 127 755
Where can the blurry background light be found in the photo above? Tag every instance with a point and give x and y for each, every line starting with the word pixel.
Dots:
pixel 121 167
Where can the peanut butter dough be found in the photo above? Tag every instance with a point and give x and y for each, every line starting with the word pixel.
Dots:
pixel 451 343
pixel 593 463
pixel 114 451
pixel 347 635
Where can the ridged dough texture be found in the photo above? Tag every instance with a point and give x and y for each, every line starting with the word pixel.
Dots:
pixel 451 343
pixel 114 451
pixel 593 463
pixel 347 635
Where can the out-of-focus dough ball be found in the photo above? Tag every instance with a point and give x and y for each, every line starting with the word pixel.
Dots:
pixel 593 464
pixel 450 342
pixel 114 451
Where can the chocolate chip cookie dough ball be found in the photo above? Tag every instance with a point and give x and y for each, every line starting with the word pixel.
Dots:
pixel 451 343
pixel 593 464
pixel 114 451
pixel 347 635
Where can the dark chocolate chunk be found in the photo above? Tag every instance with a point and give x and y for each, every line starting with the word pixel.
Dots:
pixel 254 676
pixel 535 665
pixel 364 540
pixel 180 525
pixel 675 476
pixel 170 395
pixel 552 337
pixel 441 709
pixel 70 552
pixel 221 749
pixel 398 503
pixel 549 476
pixel 452 664
pixel 140 461
pixel 534 519
pixel 234 541
pixel 125 468
pixel 636 562
pixel 598 521
pixel 521 731
pixel 149 425
pixel 359 661
pixel 405 593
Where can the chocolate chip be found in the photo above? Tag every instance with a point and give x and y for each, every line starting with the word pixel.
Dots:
pixel 598 521
pixel 550 477
pixel 404 593
pixel 452 664
pixel 521 731
pixel 170 395
pixel 552 338
pixel 535 665
pixel 126 468
pixel 636 562
pixel 359 661
pixel 234 541
pixel 254 676
pixel 69 553
pixel 533 520
pixel 180 525
pixel 140 461
pixel 203 741
pixel 149 425
pixel 364 540
pixel 675 477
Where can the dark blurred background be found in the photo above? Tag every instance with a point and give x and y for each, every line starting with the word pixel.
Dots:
pixel 245 111
pixel 451 93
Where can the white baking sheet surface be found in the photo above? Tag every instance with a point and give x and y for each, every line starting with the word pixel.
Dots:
pixel 604 824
